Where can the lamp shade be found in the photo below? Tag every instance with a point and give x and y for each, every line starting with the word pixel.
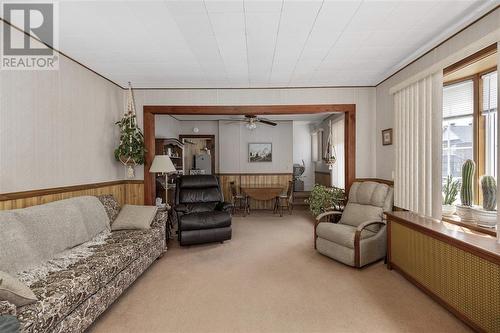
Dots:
pixel 162 163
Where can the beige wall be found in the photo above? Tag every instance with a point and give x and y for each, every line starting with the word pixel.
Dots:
pixel 57 128
pixel 479 35
pixel 364 98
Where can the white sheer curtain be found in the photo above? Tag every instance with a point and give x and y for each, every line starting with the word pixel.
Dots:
pixel 418 134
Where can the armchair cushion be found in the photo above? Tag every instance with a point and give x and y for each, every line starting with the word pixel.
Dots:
pixel 341 234
pixel 205 220
pixel 355 214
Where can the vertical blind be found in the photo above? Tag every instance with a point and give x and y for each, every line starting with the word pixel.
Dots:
pixel 489 112
pixel 418 115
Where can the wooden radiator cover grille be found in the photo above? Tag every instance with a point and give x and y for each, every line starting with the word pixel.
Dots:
pixel 468 283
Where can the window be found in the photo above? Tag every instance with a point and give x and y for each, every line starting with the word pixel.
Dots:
pixel 470 126
pixel 458 111
pixel 489 115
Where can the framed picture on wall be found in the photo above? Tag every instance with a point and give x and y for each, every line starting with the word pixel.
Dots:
pixel 260 152
pixel 387 137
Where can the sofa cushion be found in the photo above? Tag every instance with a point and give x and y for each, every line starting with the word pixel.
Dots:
pixel 205 220
pixel 14 291
pixel 134 217
pixel 340 234
pixel 355 214
pixel 111 205
pixel 61 292
pixel 34 234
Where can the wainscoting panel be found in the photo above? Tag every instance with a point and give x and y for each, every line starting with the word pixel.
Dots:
pixel 322 178
pixel 126 192
pixel 254 179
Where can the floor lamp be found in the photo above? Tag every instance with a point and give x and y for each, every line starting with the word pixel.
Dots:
pixel 163 164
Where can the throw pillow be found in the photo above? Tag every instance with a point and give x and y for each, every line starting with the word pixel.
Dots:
pixel 14 291
pixel 134 217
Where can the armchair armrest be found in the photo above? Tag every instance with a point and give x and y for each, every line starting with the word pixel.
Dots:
pixel 7 309
pixel 226 206
pixel 357 239
pixel 181 208
pixel 325 214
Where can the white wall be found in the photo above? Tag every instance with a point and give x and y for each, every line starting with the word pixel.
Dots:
pixel 302 151
pixel 233 147
pixel 166 126
pixel 364 98
pixel 469 41
pixel 57 128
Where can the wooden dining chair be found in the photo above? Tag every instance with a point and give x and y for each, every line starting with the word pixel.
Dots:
pixel 239 200
pixel 284 200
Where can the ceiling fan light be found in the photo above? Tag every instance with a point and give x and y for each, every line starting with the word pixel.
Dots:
pixel 251 126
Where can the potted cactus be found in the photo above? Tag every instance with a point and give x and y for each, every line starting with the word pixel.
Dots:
pixel 450 192
pixel 487 215
pixel 466 191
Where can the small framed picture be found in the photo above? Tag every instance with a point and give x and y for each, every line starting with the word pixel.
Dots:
pixel 260 152
pixel 387 137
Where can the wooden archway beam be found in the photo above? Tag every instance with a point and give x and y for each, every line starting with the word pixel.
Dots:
pixel 151 110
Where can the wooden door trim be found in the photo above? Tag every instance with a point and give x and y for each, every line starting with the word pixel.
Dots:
pixel 151 110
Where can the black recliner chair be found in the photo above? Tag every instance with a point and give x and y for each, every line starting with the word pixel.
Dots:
pixel 202 215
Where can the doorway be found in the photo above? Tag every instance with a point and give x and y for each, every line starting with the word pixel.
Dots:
pixel 199 154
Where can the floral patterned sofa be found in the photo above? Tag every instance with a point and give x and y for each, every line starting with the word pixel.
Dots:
pixel 77 286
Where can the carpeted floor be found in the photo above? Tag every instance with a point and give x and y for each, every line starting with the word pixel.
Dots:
pixel 270 279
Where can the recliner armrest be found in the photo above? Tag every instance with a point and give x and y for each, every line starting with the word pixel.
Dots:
pixel 181 208
pixel 227 206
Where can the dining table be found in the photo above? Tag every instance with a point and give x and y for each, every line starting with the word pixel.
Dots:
pixel 262 191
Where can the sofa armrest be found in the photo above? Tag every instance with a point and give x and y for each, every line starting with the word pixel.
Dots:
pixel 7 309
pixel 325 214
pixel 160 219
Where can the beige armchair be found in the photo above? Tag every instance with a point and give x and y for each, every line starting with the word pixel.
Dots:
pixel 359 238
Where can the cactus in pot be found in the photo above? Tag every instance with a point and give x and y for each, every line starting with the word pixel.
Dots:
pixel 466 191
pixel 489 188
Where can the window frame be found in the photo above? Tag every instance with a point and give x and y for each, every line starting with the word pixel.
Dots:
pixel 478 126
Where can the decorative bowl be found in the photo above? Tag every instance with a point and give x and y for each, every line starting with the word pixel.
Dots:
pixel 485 218
pixel 465 213
pixel 448 210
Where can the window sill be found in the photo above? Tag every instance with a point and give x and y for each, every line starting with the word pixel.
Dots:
pixel 469 225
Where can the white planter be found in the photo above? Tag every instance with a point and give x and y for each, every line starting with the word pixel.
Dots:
pixel 485 218
pixel 465 213
pixel 448 210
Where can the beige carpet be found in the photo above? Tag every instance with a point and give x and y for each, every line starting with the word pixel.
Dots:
pixel 270 279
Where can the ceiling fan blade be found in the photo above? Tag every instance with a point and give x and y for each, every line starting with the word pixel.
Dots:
pixel 267 121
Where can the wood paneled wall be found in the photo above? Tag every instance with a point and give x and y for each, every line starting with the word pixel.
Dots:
pixel 126 192
pixel 254 179
pixel 322 178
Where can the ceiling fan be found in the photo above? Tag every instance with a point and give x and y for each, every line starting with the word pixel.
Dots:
pixel 251 121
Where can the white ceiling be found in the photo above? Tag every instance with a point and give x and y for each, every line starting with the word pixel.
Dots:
pixel 252 43
pixel 316 117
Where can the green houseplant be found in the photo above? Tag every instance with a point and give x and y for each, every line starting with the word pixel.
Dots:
pixel 450 192
pixel 131 150
pixel 324 198
pixel 486 216
pixel 467 191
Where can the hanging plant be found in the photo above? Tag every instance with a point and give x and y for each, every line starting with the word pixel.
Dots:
pixel 330 156
pixel 131 150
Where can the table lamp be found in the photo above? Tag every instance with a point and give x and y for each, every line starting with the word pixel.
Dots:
pixel 163 164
